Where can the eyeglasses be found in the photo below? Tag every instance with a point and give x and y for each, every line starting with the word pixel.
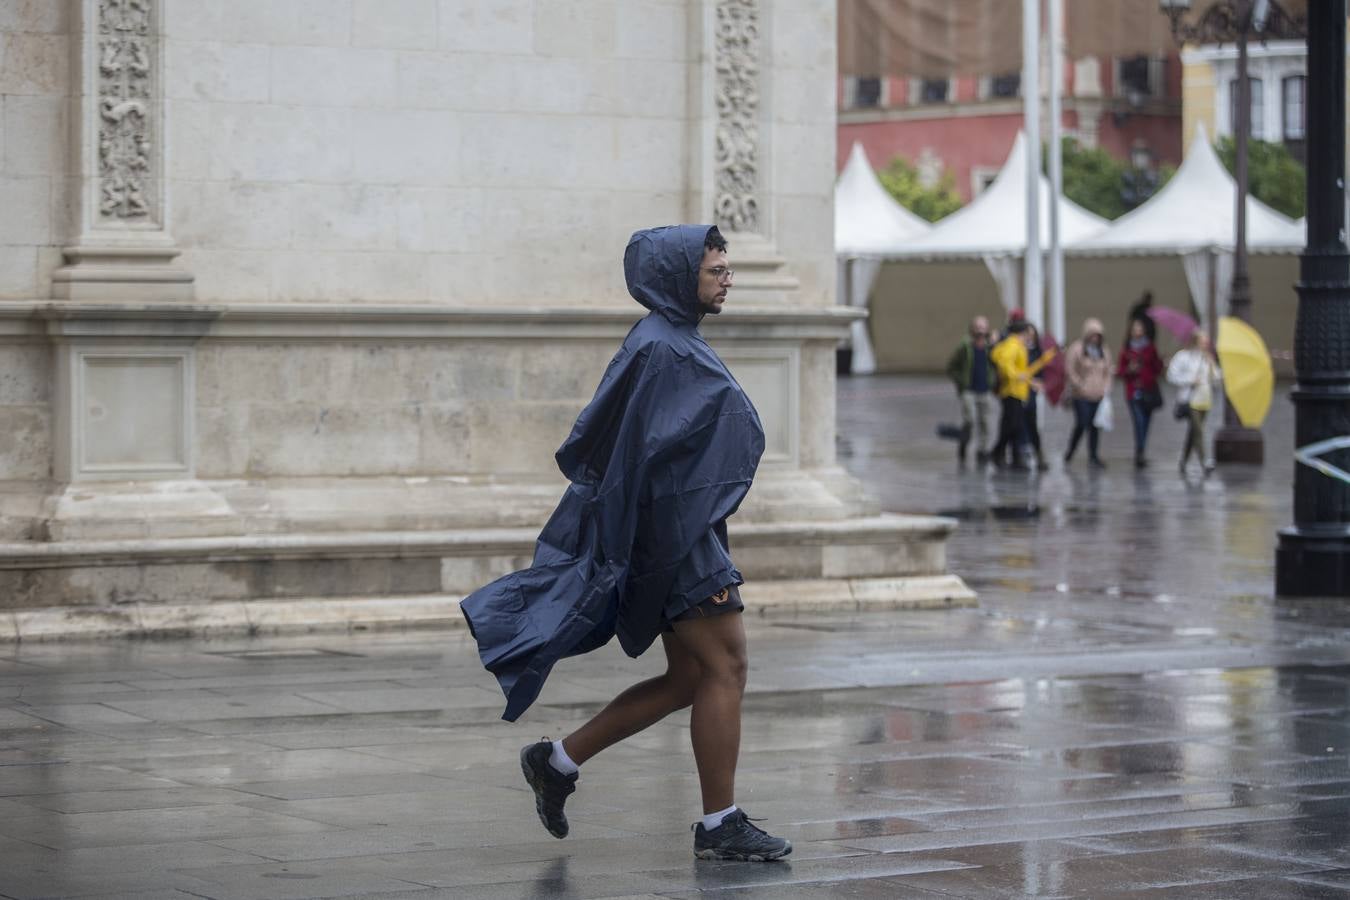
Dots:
pixel 721 273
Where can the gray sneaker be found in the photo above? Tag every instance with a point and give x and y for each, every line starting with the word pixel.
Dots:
pixel 737 839
pixel 551 787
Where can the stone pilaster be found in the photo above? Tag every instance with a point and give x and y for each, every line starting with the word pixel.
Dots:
pixel 123 250
pixel 732 143
pixel 122 409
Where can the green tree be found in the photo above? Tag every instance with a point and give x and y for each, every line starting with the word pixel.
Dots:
pixel 1273 175
pixel 901 181
pixel 1100 183
pixel 1093 179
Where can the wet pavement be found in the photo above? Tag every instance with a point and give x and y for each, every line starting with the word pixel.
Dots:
pixel 1129 712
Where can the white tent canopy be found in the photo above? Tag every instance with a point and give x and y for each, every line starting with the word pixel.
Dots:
pixel 868 224
pixel 994 226
pixel 1194 216
pixel 1195 210
pixel 995 222
pixel 867 220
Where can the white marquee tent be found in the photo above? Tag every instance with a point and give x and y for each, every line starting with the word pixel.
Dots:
pixel 994 227
pixel 867 220
pixel 995 222
pixel 1193 217
pixel 869 225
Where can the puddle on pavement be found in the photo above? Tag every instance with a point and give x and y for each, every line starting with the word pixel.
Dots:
pixel 291 653
pixel 1002 513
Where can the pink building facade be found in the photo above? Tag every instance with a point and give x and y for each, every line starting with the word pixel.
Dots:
pixel 965 125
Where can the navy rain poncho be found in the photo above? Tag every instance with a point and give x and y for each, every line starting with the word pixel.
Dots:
pixel 658 460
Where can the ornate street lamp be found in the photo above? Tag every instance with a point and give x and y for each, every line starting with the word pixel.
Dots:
pixel 1224 22
pixel 1313 556
pixel 1141 181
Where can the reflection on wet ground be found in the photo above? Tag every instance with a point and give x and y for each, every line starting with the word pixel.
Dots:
pixel 1143 533
pixel 1127 713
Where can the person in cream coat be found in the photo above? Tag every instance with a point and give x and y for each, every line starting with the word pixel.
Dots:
pixel 1194 371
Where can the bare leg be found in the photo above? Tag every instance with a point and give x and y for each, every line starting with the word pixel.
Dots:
pixel 641 706
pixel 718 644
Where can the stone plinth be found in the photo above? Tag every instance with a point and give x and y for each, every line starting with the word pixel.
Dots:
pixel 403 456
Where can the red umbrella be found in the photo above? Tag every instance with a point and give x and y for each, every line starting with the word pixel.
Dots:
pixel 1052 376
pixel 1175 321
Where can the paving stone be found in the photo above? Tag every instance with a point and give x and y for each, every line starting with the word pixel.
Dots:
pixel 1160 729
pixel 111 801
pixel 63 831
pixel 1027 874
pixel 347 786
pixel 1294 888
pixel 59 778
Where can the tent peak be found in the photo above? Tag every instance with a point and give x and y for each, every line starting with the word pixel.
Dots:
pixel 867 219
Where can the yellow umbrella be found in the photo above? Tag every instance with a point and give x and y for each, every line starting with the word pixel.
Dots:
pixel 1248 378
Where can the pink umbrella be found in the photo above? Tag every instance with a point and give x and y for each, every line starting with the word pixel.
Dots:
pixel 1175 321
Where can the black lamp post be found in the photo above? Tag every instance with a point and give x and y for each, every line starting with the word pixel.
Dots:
pixel 1235 21
pixel 1313 556
pixel 1141 182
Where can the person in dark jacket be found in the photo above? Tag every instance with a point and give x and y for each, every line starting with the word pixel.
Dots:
pixel 1139 367
pixel 637 548
pixel 975 380
pixel 1031 428
pixel 1139 313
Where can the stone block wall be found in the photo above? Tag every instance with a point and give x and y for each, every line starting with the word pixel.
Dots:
pixel 418 150
pixel 349 240
pixel 454 407
pixel 421 151
pixel 444 408
pixel 803 49
pixel 25 412
pixel 35 180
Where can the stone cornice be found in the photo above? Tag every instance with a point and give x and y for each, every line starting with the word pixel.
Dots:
pixel 343 322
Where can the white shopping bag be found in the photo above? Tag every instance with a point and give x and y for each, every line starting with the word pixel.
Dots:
pixel 1105 418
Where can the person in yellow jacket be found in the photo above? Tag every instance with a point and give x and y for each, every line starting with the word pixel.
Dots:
pixel 1009 357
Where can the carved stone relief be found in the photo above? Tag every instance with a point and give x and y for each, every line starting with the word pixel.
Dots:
pixel 125 158
pixel 737 43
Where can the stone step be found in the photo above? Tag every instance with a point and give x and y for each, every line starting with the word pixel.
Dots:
pixel 223 508
pixel 107 577
pixel 363 613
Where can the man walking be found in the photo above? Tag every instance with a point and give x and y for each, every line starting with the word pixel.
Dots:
pixel 659 459
pixel 975 379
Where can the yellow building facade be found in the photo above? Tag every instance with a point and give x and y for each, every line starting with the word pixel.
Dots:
pixel 1208 76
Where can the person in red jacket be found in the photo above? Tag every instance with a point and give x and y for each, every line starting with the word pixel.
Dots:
pixel 1139 367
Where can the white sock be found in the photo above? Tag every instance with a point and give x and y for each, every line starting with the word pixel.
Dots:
pixel 561 761
pixel 712 820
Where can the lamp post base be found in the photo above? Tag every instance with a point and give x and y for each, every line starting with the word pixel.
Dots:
pixel 1238 444
pixel 1312 564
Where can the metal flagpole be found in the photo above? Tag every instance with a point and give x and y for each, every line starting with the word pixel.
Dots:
pixel 1056 322
pixel 1033 299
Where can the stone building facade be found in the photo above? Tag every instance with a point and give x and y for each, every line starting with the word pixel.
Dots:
pixel 297 297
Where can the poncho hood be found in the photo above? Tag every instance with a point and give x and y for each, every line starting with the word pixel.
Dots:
pixel 661 267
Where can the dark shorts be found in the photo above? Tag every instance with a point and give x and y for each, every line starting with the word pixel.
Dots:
pixel 727 600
